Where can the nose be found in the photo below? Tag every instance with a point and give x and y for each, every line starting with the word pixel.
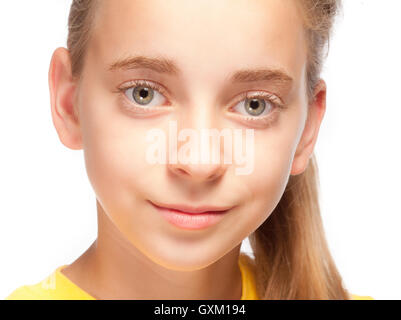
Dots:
pixel 205 145
pixel 207 163
pixel 198 172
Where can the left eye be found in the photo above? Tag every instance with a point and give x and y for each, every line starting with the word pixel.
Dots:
pixel 144 95
pixel 254 106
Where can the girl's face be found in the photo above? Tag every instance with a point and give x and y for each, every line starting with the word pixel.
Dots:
pixel 206 43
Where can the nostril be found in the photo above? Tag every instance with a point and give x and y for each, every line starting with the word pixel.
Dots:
pixel 215 175
pixel 211 178
pixel 182 171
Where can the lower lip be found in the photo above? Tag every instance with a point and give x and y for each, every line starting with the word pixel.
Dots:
pixel 191 221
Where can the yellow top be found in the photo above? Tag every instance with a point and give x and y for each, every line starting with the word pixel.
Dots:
pixel 57 286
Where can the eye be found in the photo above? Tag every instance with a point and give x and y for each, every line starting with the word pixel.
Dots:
pixel 257 105
pixel 253 107
pixel 145 93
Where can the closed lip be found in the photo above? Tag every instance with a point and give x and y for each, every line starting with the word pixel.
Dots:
pixel 184 208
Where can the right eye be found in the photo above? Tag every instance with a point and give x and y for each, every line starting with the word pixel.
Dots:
pixel 145 93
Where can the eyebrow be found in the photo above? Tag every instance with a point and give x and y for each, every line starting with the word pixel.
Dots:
pixel 169 67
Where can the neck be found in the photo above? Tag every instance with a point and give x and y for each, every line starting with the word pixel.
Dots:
pixel 113 268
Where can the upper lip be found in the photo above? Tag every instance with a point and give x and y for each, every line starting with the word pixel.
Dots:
pixel 192 209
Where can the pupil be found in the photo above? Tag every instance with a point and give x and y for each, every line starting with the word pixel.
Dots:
pixel 143 93
pixel 254 104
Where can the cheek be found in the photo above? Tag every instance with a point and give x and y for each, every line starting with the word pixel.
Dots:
pixel 274 150
pixel 114 151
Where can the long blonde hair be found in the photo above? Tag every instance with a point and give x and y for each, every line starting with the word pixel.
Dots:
pixel 291 255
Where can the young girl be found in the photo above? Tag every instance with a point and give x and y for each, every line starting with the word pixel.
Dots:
pixel 173 230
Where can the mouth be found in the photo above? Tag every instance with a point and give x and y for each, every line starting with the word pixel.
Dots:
pixel 191 217
pixel 188 209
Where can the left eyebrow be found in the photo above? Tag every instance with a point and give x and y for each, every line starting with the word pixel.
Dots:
pixel 169 67
pixel 253 75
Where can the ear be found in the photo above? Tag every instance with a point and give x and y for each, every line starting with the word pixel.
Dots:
pixel 316 110
pixel 63 90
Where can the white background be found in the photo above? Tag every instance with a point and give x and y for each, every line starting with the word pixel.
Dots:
pixel 47 207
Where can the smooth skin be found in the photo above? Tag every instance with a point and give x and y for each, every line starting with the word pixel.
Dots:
pixel 138 254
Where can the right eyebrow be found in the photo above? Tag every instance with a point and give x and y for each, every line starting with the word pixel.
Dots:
pixel 169 67
pixel 160 65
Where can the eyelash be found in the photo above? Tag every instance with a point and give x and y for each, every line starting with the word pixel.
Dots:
pixel 270 98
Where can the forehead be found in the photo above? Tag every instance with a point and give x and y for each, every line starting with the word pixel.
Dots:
pixel 202 36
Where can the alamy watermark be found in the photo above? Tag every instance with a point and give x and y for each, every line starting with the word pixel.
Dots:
pixel 198 149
